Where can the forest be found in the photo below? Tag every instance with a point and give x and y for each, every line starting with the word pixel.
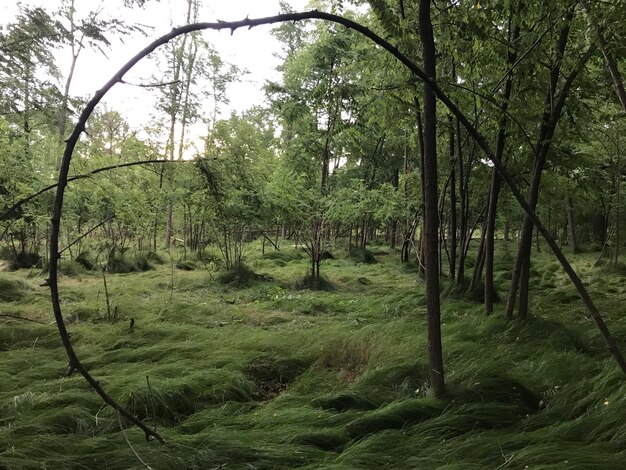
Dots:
pixel 407 255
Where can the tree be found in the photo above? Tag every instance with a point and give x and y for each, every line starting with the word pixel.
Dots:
pixel 431 229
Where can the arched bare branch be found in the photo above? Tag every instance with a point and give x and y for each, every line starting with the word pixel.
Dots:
pixel 250 23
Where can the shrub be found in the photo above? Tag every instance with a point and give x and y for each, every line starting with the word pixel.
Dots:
pixel 23 260
pixel 143 262
pixel 186 265
pixel 120 264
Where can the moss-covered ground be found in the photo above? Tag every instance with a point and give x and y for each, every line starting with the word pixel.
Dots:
pixel 260 375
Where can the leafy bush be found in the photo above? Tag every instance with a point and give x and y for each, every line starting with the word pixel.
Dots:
pixel 23 260
pixel 118 263
pixel 143 262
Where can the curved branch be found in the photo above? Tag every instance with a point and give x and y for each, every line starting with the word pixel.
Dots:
pixel 250 23
pixel 5 215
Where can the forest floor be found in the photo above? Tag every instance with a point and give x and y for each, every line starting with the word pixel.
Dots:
pixel 262 375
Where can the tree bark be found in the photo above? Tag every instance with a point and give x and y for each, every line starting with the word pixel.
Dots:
pixel 496 180
pixel 463 207
pixel 609 60
pixel 571 227
pixel 553 107
pixel 431 222
pixel 453 199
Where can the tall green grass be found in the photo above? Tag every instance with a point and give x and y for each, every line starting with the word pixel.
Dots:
pixel 261 375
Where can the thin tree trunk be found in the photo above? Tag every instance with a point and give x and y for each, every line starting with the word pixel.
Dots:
pixel 496 180
pixel 463 213
pixel 435 355
pixel 453 200
pixel 609 60
pixel 553 107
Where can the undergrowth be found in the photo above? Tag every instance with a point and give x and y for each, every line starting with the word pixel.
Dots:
pixel 241 370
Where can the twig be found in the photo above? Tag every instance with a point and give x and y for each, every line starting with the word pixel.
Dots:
pixel 5 215
pixel 16 317
pixel 119 420
pixel 269 240
pixel 150 85
pixel 87 233
pixel 106 293
pixel 169 253
pixel 152 401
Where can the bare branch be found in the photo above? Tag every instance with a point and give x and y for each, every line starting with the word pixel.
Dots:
pixel 5 215
pixel 87 233
pixel 17 317
pixel 408 63
pixel 150 85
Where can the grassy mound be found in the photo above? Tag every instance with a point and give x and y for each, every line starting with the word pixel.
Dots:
pixel 23 260
pixel 363 256
pixel 314 283
pixel 12 289
pixel 241 276
pixel 86 260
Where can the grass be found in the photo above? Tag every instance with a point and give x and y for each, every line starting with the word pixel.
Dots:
pixel 252 373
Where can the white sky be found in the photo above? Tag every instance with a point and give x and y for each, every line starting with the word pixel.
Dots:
pixel 250 49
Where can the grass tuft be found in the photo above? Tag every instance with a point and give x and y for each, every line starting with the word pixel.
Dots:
pixel 11 289
pixel 363 256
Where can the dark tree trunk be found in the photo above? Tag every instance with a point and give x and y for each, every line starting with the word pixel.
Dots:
pixel 496 180
pixel 393 229
pixel 435 355
pixel 453 200
pixel 421 143
pixel 490 232
pixel 553 107
pixel 609 60
pixel 463 212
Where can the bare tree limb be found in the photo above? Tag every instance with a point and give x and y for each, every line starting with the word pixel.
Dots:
pixel 250 23
pixel 5 215
pixel 119 420
pixel 151 85
pixel 87 233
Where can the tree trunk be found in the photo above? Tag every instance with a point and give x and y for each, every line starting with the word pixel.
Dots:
pixel 609 60
pixel 453 201
pixel 435 355
pixel 496 180
pixel 420 140
pixel 553 107
pixel 571 228
pixel 464 205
